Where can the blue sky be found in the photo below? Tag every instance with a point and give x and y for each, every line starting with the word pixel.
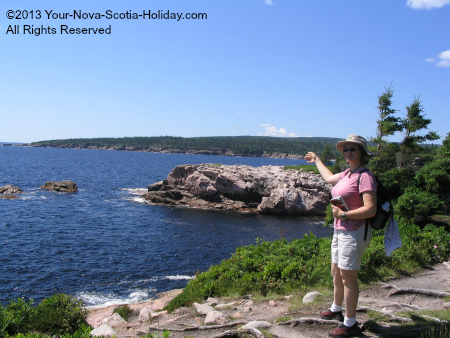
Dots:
pixel 255 67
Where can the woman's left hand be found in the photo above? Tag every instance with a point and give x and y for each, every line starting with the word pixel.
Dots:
pixel 337 212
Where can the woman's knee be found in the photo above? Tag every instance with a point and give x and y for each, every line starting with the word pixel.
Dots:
pixel 349 277
pixel 335 271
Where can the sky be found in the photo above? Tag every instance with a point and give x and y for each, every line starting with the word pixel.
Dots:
pixel 218 68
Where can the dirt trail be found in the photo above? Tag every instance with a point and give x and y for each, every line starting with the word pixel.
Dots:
pixel 245 310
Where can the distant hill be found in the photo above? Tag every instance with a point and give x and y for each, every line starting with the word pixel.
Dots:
pixel 8 143
pixel 258 146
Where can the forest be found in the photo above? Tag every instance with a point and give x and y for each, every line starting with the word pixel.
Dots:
pixel 217 145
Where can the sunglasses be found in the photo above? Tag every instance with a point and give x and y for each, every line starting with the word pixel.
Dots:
pixel 348 149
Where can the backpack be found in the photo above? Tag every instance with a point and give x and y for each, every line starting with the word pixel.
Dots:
pixel 385 210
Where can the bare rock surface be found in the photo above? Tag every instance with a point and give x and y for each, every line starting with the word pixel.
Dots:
pixel 286 320
pixel 267 189
pixel 104 331
pixel 64 186
pixel 10 189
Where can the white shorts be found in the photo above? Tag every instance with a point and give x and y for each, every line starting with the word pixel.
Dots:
pixel 348 247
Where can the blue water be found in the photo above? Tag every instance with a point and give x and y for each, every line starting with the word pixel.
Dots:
pixel 103 246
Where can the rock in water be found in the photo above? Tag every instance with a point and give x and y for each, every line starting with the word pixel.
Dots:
pixel 10 189
pixel 64 186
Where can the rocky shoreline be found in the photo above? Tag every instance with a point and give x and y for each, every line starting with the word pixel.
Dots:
pixel 225 152
pixel 267 189
pixel 292 316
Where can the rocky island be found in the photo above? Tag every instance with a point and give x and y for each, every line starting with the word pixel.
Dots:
pixel 267 189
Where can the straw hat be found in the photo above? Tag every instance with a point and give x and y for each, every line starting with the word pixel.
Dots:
pixel 354 139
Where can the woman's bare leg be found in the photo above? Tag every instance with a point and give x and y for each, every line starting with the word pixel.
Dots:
pixel 338 284
pixel 351 291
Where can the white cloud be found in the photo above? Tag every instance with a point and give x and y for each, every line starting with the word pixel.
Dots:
pixel 268 2
pixel 427 4
pixel 273 131
pixel 442 60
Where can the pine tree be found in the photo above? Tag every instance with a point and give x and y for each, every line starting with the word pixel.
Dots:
pixel 326 155
pixel 414 122
pixel 388 124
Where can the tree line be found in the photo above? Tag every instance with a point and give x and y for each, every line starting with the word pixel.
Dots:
pixel 239 145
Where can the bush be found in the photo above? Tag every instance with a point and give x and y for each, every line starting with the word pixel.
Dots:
pixel 435 179
pixel 339 165
pixel 266 268
pixel 124 311
pixel 329 218
pixel 18 315
pixel 282 266
pixel 397 181
pixel 416 205
pixel 58 315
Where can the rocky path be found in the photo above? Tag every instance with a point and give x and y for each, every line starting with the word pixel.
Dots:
pixel 279 317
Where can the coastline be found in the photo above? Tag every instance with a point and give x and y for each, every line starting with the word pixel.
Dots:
pixel 169 151
pixel 278 315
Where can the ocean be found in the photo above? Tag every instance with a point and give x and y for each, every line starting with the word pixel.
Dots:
pixel 101 244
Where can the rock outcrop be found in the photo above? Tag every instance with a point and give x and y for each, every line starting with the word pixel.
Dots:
pixel 10 189
pixel 7 191
pixel 267 189
pixel 64 186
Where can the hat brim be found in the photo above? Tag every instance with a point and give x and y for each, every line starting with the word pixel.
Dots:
pixel 340 147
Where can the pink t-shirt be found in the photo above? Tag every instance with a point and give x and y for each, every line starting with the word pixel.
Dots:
pixel 347 187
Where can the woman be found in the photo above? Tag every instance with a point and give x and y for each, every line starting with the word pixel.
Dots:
pixel 348 243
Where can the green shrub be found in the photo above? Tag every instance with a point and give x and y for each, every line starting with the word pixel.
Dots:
pixel 83 332
pixel 415 205
pixel 19 315
pixel 396 181
pixel 58 315
pixel 282 266
pixel 124 311
pixel 267 268
pixel 329 218
pixel 420 248
pixel 435 179
pixel 4 322
pixel 339 165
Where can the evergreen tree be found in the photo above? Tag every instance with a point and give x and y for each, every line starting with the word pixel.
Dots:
pixel 326 155
pixel 387 125
pixel 444 151
pixel 414 122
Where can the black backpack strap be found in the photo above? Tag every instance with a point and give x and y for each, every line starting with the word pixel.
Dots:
pixel 367 220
